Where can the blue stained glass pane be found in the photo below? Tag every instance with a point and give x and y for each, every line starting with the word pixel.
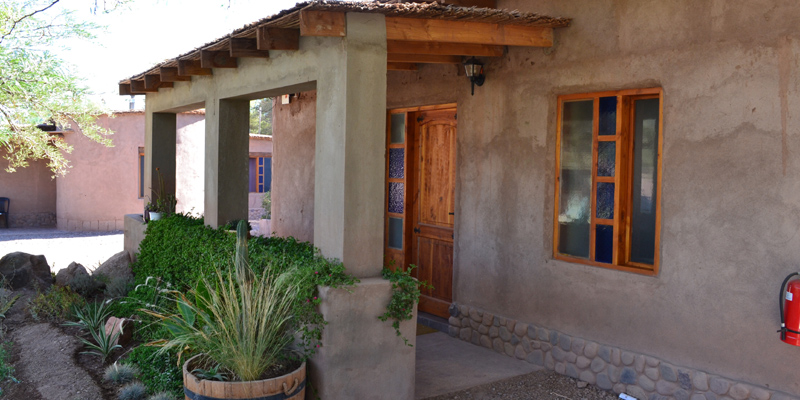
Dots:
pixel 397 163
pixel 260 170
pixel 606 157
pixel 396 197
pixel 605 200
pixel 395 233
pixel 260 179
pixel 260 160
pixel 608 116
pixel 604 243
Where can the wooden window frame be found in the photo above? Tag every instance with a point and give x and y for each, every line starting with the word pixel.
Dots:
pixel 140 189
pixel 623 195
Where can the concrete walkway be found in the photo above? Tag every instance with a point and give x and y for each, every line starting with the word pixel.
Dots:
pixel 447 365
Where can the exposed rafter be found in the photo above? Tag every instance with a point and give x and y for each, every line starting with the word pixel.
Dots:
pixel 277 38
pixel 322 23
pixel 436 30
pixel 192 67
pixel 445 49
pixel 170 74
pixel 216 59
pixel 246 47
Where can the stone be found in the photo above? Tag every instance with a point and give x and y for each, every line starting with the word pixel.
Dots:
pixel 615 357
pixel 463 310
pixel 578 345
pixel 116 267
pixel 543 334
pixel 603 382
pixel 497 345
pixel 465 334
pixel 526 344
pixel 651 373
pixel 652 361
pixel 666 388
pixel 474 325
pixel 646 383
pixel 587 376
pixel 700 380
pixel 465 321
pixel 66 275
pixel 582 362
pixel 511 324
pixel 636 392
pixel 453 310
pixel 487 319
pixel 536 344
pixel 475 315
pixel 782 396
pixel 638 363
pixel 681 394
pixel 668 372
pixel 531 331
pixel 739 391
pixel 628 376
pixel 697 396
pixel 598 365
pixel 613 373
pixel 549 362
pixel 521 329
pixel 509 349
pixel 23 270
pixel 476 338
pixel 553 338
pixel 505 334
pixel 760 394
pixel 604 352
pixel 453 331
pixel 519 352
pixel 121 326
pixel 514 340
pixel 561 368
pixel 494 332
pixel 619 388
pixel 711 396
pixel 685 380
pixel 719 385
pixel 581 384
pixel 486 342
pixel 627 358
pixel 572 371
pixel 656 396
pixel 571 357
pixel 502 321
pixel 496 321
pixel 453 321
pixel 483 329
pixel 590 350
pixel 536 358
pixel 546 346
pixel 564 341
pixel 559 354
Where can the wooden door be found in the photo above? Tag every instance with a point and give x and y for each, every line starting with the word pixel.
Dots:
pixel 434 207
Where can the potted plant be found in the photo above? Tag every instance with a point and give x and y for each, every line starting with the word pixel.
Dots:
pixel 239 323
pixel 163 203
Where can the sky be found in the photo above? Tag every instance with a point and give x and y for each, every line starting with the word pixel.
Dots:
pixel 146 32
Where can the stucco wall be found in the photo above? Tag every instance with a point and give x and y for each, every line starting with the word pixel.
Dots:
pixel 294 126
pixel 32 193
pixel 103 183
pixel 731 193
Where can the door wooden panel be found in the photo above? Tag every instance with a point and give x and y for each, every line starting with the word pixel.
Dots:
pixel 434 207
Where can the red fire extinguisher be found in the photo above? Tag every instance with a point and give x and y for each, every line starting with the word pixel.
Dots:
pixel 789 303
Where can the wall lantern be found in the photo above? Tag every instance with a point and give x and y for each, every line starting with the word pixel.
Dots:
pixel 475 74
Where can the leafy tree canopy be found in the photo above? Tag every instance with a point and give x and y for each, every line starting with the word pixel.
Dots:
pixel 37 85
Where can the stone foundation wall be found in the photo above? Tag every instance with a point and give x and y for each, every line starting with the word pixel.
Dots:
pixel 91 225
pixel 607 367
pixel 31 220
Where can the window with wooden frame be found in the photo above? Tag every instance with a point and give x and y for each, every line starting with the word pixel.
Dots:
pixel 608 179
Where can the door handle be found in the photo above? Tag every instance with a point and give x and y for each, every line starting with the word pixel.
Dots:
pixel 416 230
pixel 452 213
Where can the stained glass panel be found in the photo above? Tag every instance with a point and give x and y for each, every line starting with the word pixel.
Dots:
pixel 608 116
pixel 606 158
pixel 605 200
pixel 397 163
pixel 396 191
pixel 604 243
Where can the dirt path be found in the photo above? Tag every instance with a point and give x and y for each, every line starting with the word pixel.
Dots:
pixel 46 362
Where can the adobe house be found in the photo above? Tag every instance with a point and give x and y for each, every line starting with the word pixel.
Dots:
pixel 617 202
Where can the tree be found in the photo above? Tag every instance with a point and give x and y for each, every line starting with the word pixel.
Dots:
pixel 37 86
pixel 261 116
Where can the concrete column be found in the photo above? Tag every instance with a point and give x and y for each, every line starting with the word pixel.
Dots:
pixel 226 161
pixel 350 146
pixel 160 135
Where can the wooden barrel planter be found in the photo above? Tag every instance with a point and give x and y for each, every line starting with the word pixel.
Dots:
pixel 287 387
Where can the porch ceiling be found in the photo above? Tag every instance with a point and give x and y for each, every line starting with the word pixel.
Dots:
pixel 417 33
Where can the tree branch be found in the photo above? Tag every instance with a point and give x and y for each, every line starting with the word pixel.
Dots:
pixel 14 24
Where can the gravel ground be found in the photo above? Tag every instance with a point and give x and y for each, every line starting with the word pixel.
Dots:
pixel 63 247
pixel 540 385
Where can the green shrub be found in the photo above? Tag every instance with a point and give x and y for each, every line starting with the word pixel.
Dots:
pixel 132 391
pixel 120 373
pixel 266 204
pixel 161 396
pixel 6 369
pixel 119 287
pixel 85 285
pixel 159 372
pixel 56 304
pixel 102 343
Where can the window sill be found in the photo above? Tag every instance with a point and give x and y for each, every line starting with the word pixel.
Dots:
pixel 636 269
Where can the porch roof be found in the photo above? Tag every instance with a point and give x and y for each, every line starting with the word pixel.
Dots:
pixel 416 33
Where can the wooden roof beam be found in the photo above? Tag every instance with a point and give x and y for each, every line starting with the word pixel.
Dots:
pixel 437 30
pixel 125 89
pixel 445 49
pixel 246 47
pixel 138 87
pixel 322 23
pixel 397 66
pixel 153 81
pixel 423 59
pixel 216 59
pixel 277 38
pixel 192 67
pixel 170 74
